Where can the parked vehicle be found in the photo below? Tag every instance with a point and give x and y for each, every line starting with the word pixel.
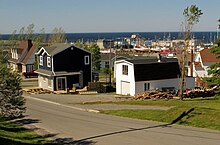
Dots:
pixel 30 74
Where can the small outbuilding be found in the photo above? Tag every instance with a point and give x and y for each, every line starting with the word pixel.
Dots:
pixel 138 76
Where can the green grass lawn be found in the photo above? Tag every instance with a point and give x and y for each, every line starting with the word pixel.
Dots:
pixel 205 112
pixel 11 134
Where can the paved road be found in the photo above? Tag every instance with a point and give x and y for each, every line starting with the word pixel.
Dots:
pixel 72 126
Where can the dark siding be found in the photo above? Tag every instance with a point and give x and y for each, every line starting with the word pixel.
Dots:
pixel 73 61
pixel 156 71
pixel 54 84
pixel 44 62
pixel 72 80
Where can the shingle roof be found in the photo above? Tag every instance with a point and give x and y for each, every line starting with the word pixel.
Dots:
pixel 208 57
pixel 58 73
pixel 151 69
pixel 154 60
pixel 25 51
pixel 58 47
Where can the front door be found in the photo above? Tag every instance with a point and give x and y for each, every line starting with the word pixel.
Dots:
pixel 61 83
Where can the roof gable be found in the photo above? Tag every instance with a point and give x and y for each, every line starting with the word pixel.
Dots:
pixel 30 54
pixel 57 48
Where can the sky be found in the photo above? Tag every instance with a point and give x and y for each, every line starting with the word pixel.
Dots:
pixel 76 16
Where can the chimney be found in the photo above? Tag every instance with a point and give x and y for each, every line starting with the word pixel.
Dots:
pixel 159 58
pixel 29 42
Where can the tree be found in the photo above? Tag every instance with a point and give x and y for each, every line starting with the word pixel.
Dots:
pixel 11 99
pixel 214 69
pixel 21 34
pixel 29 34
pixel 57 36
pixel 191 15
pixel 96 56
pixel 13 40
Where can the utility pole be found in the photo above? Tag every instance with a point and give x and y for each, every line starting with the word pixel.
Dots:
pixel 110 66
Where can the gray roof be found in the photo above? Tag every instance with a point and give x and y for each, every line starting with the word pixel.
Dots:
pixel 150 61
pixel 44 72
pixel 58 47
pixel 58 73
pixel 125 56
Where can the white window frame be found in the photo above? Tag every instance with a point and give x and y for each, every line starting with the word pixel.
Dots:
pixel 41 60
pixel 125 70
pixel 86 60
pixel 48 62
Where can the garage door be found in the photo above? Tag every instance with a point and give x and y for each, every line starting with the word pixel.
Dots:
pixel 125 88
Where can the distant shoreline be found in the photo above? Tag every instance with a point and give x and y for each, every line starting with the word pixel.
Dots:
pixel 206 36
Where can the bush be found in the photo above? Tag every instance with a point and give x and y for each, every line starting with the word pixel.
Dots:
pixel 11 100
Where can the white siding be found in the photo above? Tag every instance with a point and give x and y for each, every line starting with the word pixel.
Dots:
pixel 124 78
pixel 23 68
pixel 138 87
pixel 43 82
pixel 125 88
pixel 158 84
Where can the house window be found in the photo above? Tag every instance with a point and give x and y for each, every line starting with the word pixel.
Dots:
pixel 107 64
pixel 29 68
pixel 146 86
pixel 86 60
pixel 48 62
pixel 41 60
pixel 124 69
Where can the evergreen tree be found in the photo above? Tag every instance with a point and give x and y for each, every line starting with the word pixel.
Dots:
pixel 214 69
pixel 11 99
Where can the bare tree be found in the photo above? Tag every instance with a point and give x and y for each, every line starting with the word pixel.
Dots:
pixel 191 15
pixel 29 32
pixel 57 36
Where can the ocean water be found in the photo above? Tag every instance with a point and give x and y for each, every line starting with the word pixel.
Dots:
pixel 205 36
pixel 72 37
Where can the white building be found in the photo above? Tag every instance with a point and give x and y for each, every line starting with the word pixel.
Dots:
pixel 137 76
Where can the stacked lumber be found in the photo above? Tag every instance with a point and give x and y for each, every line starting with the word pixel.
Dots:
pixel 154 95
pixel 37 91
pixel 199 93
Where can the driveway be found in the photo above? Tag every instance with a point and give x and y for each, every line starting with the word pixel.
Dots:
pixel 84 102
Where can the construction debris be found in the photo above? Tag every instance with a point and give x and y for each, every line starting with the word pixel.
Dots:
pixel 37 91
pixel 201 92
pixel 154 95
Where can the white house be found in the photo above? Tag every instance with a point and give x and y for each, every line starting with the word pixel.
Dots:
pixel 203 60
pixel 137 76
